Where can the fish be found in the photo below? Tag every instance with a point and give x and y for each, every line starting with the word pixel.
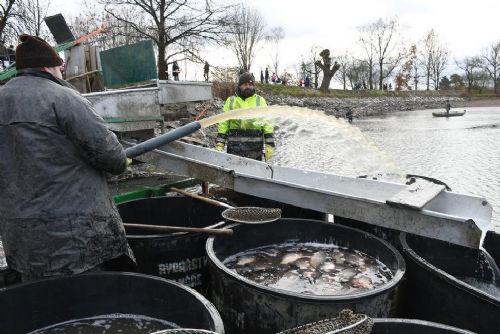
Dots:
pixel 327 267
pixel 290 257
pixel 318 259
pixel 338 258
pixel 302 263
pixel 244 260
pixel 361 282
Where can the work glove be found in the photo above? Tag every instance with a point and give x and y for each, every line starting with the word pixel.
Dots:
pixel 268 152
pixel 219 147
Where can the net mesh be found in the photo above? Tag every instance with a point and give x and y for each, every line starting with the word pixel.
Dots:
pixel 250 215
pixel 346 323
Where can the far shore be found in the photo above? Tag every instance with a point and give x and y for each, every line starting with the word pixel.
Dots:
pixel 376 106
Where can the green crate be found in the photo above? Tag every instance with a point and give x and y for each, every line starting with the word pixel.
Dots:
pixel 129 64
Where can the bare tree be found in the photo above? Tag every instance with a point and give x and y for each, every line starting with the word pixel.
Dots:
pixel 8 14
pixel 433 58
pixel 32 13
pixel 367 41
pixel 386 49
pixel 170 23
pixel 247 30
pixel 328 69
pixel 381 44
pixel 275 36
pixel 358 73
pixel 312 64
pixel 491 57
pixel 439 62
pixel 471 67
pixel 427 45
pixel 344 61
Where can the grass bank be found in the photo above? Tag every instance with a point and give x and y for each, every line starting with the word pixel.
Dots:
pixel 225 89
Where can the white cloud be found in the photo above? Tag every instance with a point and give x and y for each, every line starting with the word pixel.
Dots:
pixel 464 27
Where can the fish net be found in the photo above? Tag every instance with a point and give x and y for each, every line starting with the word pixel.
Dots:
pixel 346 323
pixel 252 215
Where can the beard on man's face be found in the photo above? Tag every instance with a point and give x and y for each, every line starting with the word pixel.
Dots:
pixel 247 92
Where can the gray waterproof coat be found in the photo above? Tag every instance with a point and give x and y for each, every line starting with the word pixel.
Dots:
pixel 56 213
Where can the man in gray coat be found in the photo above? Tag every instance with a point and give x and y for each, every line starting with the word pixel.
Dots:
pixel 56 213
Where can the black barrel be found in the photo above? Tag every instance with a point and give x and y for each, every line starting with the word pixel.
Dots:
pixel 34 305
pixel 410 326
pixel 176 256
pixel 435 293
pixel 249 307
pixel 491 244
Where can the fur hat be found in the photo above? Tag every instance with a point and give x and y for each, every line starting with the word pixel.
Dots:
pixel 35 52
pixel 245 78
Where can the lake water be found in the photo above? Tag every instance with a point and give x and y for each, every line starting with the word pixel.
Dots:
pixel 462 151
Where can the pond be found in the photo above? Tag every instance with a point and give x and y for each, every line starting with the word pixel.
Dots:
pixel 462 151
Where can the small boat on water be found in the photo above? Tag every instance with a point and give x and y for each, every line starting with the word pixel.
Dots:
pixel 445 114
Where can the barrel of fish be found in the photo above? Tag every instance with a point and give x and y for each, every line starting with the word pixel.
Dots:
pixel 451 284
pixel 249 304
pixel 410 326
pixel 176 256
pixel 33 306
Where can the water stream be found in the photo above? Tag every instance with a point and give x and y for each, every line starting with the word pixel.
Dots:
pixel 310 140
pixel 460 151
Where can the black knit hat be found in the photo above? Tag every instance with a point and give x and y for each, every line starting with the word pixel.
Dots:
pixel 245 78
pixel 35 52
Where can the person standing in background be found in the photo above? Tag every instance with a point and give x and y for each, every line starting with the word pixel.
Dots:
pixel 175 70
pixel 246 137
pixel 206 69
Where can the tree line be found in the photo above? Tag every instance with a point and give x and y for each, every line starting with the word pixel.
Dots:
pixel 181 29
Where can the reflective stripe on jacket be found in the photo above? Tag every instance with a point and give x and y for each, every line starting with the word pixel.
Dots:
pixel 245 130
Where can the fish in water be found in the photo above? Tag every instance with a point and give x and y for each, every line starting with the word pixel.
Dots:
pixel 362 282
pixel 290 257
pixel 310 268
pixel 245 260
pixel 327 267
pixel 318 259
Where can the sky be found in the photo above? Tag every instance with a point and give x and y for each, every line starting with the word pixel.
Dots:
pixel 464 27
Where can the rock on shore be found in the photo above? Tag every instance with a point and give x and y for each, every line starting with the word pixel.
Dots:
pixel 368 106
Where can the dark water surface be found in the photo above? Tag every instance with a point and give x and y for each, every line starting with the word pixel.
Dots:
pixel 310 268
pixel 109 324
pixel 463 152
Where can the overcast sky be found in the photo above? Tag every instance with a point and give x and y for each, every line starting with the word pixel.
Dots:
pixel 465 27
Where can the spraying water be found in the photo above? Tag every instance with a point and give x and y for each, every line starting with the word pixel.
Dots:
pixel 310 140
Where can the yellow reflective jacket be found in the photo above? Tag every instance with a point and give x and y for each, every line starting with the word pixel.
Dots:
pixel 245 137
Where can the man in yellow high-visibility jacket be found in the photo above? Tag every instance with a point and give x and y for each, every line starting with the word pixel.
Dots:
pixel 246 137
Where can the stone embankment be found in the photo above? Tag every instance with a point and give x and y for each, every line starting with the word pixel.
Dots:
pixel 361 107
pixel 368 106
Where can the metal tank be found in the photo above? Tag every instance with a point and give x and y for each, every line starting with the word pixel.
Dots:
pixel 434 291
pixel 249 307
pixel 34 305
pixel 177 256
pixel 411 326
